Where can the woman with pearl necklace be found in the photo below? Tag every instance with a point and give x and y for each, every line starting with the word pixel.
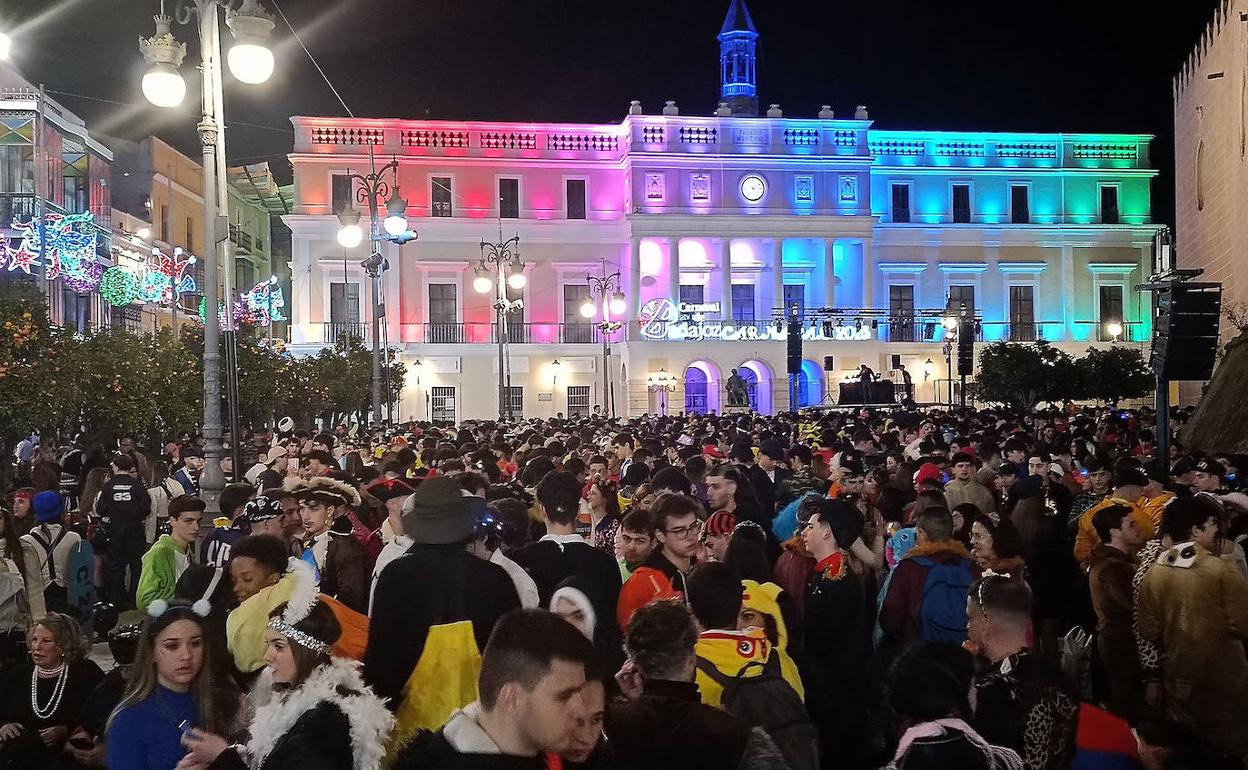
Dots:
pixel 40 700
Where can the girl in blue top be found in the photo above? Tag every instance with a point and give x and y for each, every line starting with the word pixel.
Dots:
pixel 173 688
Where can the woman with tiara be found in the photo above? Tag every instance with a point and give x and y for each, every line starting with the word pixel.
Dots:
pixel 321 716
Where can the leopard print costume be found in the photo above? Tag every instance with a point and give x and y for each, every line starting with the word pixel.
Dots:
pixel 1150 655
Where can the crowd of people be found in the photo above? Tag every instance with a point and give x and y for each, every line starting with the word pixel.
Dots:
pixel 905 588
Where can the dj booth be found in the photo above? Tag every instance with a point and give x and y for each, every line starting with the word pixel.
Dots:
pixel 881 392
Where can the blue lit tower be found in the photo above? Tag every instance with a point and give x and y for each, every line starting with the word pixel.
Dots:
pixel 738 41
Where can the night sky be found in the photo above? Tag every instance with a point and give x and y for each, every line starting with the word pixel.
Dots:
pixel 1058 65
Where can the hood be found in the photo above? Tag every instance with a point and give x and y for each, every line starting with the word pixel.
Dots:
pixel 465 734
pixel 337 682
pixel 578 597
pixel 765 598
pixel 947 550
pixel 900 544
pixel 1103 552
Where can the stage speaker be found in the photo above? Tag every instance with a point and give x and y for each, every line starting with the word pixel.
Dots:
pixel 829 363
pixel 794 342
pixel 1185 336
pixel 894 362
pixel 966 348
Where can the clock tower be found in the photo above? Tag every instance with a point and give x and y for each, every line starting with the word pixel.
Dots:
pixel 738 43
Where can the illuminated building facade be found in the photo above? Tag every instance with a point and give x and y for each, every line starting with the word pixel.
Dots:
pixel 717 224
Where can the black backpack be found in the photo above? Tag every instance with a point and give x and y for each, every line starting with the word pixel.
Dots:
pixel 769 702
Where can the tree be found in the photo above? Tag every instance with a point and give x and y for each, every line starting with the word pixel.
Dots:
pixel 1114 373
pixel 1021 375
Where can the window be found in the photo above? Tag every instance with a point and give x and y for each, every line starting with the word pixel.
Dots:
pixel 743 303
pixel 509 198
pixel 75 179
pixel 515 401
pixel 1110 306
pixel 578 401
pixel 962 297
pixel 442 403
pixel 190 234
pixel 962 204
pixel 1022 314
pixel 441 197
pixel 901 313
pixel 576 327
pixel 691 293
pixel 795 294
pixel 1020 204
pixel 341 189
pixel 17 167
pixel 576 199
pixel 443 308
pixel 344 303
pixel 1109 205
pixel 901 202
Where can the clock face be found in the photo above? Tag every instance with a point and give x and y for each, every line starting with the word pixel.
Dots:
pixel 753 187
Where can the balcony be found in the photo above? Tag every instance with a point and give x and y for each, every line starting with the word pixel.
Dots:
pixel 1023 331
pixel 15 206
pixel 333 331
pixel 540 333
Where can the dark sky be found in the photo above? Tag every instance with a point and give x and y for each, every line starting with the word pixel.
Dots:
pixel 1053 65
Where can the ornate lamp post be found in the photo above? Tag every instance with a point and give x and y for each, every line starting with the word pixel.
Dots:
pixel 662 383
pixel 505 257
pixel 250 61
pixel 604 292
pixel 369 188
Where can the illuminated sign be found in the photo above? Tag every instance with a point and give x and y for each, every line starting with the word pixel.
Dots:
pixel 659 319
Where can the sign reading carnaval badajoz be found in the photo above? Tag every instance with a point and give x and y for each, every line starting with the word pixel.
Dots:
pixel 662 319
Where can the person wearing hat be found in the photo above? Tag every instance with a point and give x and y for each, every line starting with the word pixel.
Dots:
pixel 836 632
pixel 1209 475
pixel 192 465
pixel 393 493
pixel 338 558
pixel 52 543
pixel 768 473
pixel 270 471
pixel 436 593
pixel 168 557
pixel 716 532
pixel 1128 490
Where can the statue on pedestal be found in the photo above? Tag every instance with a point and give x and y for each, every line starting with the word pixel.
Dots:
pixel 738 390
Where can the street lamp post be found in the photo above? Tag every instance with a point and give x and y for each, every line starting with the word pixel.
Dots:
pixel 662 384
pixel 505 256
pixel 251 62
pixel 604 292
pixel 393 228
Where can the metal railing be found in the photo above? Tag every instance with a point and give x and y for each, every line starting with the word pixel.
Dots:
pixel 15 206
pixel 333 331
pixel 1023 331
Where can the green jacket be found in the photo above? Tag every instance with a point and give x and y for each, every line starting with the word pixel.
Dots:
pixel 163 563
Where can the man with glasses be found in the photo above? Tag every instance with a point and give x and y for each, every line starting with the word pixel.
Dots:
pixel 662 574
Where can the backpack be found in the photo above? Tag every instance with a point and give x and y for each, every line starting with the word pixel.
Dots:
pixel 769 702
pixel 942 613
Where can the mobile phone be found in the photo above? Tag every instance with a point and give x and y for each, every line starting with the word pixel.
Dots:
pixel 1083 473
pixel 82 744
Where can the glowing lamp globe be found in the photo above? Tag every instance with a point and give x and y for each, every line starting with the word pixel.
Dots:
pixel 617 304
pixel 949 322
pixel 395 224
pixel 6 46
pixel 588 310
pixel 250 63
pixel 517 281
pixel 1113 328
pixel 482 284
pixel 350 236
pixel 163 85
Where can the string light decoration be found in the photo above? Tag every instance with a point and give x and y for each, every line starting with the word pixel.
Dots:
pixel 66 248
pixel 118 287
pixel 265 302
pixel 90 280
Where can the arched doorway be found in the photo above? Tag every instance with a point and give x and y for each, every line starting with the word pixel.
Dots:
pixel 701 388
pixel 809 384
pixel 757 376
